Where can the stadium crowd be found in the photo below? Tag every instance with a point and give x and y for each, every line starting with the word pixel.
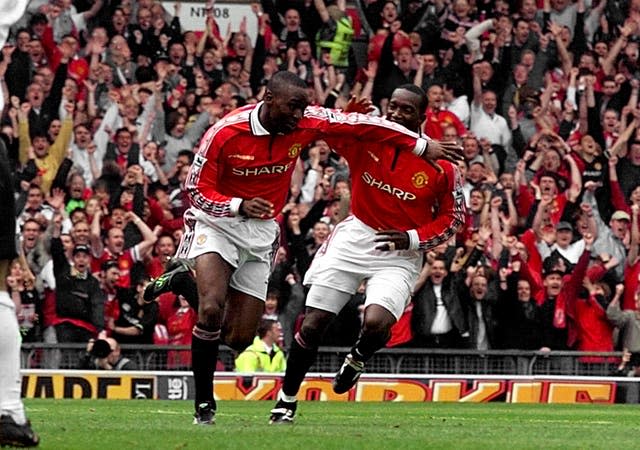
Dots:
pixel 105 102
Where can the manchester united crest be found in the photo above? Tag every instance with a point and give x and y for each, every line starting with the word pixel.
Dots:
pixel 294 150
pixel 419 179
pixel 201 239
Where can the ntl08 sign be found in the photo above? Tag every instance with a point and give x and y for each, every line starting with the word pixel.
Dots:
pixel 231 386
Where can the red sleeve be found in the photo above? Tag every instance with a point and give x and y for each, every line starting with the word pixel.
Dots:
pixel 336 125
pixel 617 197
pixel 51 49
pixel 525 200
pixel 202 179
pixel 574 283
pixel 451 214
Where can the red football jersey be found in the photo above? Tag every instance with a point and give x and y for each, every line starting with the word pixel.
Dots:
pixel 239 159
pixel 126 260
pixel 398 190
pixel 437 121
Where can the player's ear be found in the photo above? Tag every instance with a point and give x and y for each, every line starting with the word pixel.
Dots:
pixel 268 96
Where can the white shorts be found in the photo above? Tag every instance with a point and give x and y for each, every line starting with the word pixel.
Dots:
pixel 348 257
pixel 247 244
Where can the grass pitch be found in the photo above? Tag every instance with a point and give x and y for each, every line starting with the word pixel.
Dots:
pixel 155 424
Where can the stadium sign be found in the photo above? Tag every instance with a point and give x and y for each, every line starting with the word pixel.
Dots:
pixel 97 384
pixel 399 388
pixel 193 16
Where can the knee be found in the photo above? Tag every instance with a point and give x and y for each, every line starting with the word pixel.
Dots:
pixel 209 311
pixel 310 336
pixel 376 327
pixel 314 326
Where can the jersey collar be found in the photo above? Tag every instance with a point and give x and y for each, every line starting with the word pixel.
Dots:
pixel 254 120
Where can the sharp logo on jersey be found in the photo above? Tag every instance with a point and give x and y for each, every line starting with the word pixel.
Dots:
pixel 386 187
pixel 294 150
pixel 419 180
pixel 374 157
pixel 243 157
pixel 264 170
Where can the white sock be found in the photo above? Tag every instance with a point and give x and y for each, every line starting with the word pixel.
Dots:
pixel 287 398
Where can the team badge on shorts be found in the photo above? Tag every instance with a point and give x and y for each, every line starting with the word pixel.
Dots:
pixel 294 150
pixel 419 179
pixel 201 239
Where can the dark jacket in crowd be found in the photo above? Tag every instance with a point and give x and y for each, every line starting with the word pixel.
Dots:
pixel 78 296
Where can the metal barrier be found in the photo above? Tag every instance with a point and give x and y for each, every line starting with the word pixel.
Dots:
pixel 395 361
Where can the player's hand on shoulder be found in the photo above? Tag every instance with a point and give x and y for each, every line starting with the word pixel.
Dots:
pixel 359 105
pixel 257 208
pixel 447 150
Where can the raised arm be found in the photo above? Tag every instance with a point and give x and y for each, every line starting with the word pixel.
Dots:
pixel 477 85
pixel 632 256
pixel 576 179
pixel 609 61
pixel 149 238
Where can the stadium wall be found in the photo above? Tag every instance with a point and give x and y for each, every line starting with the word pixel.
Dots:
pixel 317 386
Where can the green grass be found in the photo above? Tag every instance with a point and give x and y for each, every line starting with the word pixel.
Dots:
pixel 156 424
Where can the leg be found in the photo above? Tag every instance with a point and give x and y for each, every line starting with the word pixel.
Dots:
pixel 10 378
pixel 305 347
pixel 177 278
pixel 375 333
pixel 213 283
pixel 242 315
pixel 15 429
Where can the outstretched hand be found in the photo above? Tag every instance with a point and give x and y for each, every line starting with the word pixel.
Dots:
pixel 362 105
pixel 392 240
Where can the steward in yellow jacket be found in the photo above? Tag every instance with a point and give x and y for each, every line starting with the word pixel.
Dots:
pixel 263 355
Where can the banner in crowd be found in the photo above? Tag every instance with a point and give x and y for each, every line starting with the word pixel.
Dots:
pixel 413 388
pixel 193 16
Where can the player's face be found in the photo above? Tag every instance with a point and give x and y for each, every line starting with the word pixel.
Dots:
pixel 285 109
pixel 404 109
